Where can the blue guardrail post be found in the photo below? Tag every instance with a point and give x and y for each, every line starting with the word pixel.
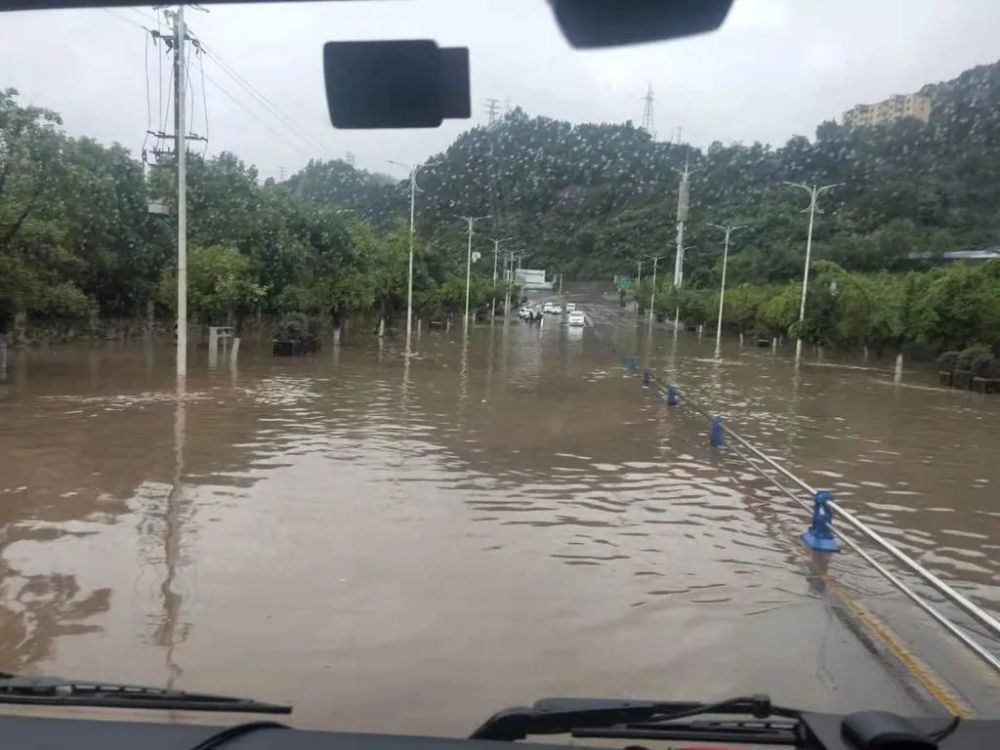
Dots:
pixel 671 396
pixel 633 363
pixel 647 377
pixel 716 433
pixel 819 536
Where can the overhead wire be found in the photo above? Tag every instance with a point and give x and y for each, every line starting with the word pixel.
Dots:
pixel 204 99
pixel 164 106
pixel 263 100
pixel 127 20
pixel 260 96
pixel 142 15
pixel 149 106
pixel 246 109
pixel 159 71
pixel 190 93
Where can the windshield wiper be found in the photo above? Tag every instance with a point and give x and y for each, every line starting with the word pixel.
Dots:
pixel 55 691
pixel 588 717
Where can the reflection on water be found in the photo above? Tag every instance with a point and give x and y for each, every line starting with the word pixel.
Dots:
pixel 498 517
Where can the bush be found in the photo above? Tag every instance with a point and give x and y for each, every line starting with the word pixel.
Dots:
pixel 295 327
pixel 948 360
pixel 986 366
pixel 966 358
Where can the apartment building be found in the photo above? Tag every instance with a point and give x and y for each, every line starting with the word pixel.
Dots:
pixel 890 110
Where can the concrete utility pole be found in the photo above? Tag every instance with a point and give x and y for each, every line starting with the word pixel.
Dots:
pixel 470 220
pixel 496 252
pixel 180 149
pixel 814 192
pixel 413 168
pixel 683 204
pixel 728 229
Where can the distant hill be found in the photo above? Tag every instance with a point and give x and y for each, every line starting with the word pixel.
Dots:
pixel 587 199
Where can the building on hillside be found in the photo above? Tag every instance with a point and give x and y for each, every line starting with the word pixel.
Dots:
pixel 892 109
pixel 982 254
pixel 530 278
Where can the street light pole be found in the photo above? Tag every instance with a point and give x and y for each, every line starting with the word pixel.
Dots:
pixel 728 229
pixel 470 220
pixel 814 192
pixel 413 168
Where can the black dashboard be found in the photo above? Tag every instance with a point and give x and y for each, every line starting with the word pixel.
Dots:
pixel 823 731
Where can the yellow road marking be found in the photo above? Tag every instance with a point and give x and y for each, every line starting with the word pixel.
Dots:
pixel 918 669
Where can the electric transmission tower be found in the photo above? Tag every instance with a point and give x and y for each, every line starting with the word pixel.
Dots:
pixel 648 117
pixel 492 110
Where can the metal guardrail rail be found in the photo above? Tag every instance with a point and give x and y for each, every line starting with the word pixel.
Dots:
pixel 824 507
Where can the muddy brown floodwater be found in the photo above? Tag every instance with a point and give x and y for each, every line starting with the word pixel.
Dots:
pixel 412 547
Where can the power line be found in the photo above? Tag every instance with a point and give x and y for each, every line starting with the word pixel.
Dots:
pixel 145 17
pixel 287 132
pixel 204 100
pixel 164 111
pixel 190 89
pixel 246 109
pixel 127 20
pixel 149 106
pixel 256 94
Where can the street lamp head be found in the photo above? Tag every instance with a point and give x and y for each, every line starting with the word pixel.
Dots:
pixel 728 228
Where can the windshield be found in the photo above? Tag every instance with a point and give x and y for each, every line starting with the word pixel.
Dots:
pixel 403 426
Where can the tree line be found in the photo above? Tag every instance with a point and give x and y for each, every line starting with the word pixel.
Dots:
pixel 77 239
pixel 950 307
pixel 585 201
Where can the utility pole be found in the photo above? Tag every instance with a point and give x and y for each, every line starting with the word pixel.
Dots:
pixel 638 274
pixel 728 229
pixel 814 192
pixel 413 168
pixel 496 252
pixel 683 204
pixel 180 149
pixel 470 220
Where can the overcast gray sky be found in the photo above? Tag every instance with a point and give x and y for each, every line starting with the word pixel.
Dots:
pixel 776 68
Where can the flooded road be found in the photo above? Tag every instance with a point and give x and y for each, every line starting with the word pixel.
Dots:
pixel 410 547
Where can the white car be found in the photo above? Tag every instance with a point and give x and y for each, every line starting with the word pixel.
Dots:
pixel 547 307
pixel 556 310
pixel 577 318
pixel 570 307
pixel 523 312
